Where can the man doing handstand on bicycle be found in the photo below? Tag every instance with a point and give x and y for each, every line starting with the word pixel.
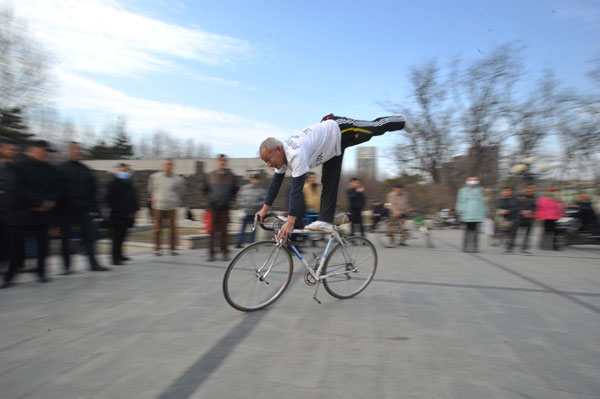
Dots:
pixel 323 143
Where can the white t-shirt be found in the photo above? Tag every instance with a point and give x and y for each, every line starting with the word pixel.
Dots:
pixel 311 147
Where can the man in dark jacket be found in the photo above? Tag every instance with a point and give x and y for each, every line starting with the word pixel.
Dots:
pixel 77 202
pixel 123 204
pixel 357 202
pixel 507 207
pixel 31 201
pixel 220 189
pixel 379 213
pixel 526 214
pixel 8 153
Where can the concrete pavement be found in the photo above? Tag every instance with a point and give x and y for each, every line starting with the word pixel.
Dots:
pixel 435 323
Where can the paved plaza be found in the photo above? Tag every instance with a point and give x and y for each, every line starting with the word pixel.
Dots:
pixel 435 323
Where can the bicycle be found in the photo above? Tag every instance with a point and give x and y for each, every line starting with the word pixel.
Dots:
pixel 389 232
pixel 260 273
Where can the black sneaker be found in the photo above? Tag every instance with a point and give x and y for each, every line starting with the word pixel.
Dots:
pixel 44 280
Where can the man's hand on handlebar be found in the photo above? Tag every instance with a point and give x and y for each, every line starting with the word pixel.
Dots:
pixel 286 229
pixel 261 214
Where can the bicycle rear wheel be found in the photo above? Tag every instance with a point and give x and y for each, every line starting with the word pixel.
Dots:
pixel 351 267
pixel 257 276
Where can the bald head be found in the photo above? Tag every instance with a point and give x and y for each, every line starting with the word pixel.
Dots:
pixel 270 144
pixel 271 152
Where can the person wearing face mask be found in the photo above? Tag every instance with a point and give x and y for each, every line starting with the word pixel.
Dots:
pixel 123 204
pixel 471 210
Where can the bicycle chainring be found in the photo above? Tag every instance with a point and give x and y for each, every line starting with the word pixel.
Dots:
pixel 309 279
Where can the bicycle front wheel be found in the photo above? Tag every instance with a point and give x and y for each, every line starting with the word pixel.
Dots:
pixel 350 267
pixel 257 276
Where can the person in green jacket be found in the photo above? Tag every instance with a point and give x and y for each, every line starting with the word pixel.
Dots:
pixel 471 210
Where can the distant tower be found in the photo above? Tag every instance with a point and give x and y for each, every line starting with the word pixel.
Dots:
pixel 366 162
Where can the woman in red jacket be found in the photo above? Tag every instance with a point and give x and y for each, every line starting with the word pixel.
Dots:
pixel 549 209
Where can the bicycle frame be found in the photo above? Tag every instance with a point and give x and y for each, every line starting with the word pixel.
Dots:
pixel 334 238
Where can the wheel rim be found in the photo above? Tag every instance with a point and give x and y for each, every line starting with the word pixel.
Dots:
pixel 242 285
pixel 350 279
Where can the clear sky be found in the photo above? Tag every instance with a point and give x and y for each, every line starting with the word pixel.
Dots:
pixel 232 73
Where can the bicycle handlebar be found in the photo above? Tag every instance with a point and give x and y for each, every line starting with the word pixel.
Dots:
pixel 262 225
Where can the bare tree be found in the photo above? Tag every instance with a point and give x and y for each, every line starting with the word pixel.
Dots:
pixel 189 148
pixel 533 119
pixel 88 137
pixel 142 149
pixel 594 74
pixel 428 145
pixel 69 131
pixel 172 147
pixel 24 66
pixel 158 141
pixel 579 132
pixel 203 151
pixel 579 129
pixel 483 95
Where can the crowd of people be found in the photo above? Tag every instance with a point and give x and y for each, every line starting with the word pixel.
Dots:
pixel 37 196
pixel 519 212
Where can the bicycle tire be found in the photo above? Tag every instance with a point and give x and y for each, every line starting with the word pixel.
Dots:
pixel 350 282
pixel 383 237
pixel 242 287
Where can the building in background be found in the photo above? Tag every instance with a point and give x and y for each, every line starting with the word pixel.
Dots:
pixel 366 162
